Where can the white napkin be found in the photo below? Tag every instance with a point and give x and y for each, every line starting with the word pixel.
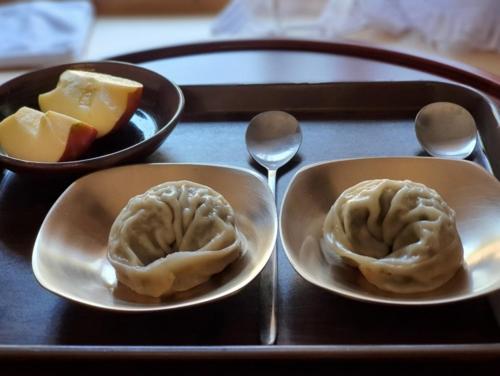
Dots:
pixel 456 24
pixel 450 24
pixel 43 32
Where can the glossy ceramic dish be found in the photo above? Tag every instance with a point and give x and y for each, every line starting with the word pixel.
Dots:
pixel 158 112
pixel 472 192
pixel 69 256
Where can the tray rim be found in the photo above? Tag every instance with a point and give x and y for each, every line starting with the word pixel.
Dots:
pixel 420 352
pixel 460 86
pixel 277 352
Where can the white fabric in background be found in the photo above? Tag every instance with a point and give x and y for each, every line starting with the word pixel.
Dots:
pixel 456 24
pixel 263 18
pixel 42 33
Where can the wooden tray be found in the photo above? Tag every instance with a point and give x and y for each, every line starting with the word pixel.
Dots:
pixel 339 120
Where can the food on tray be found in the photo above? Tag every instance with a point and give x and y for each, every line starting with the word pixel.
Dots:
pixel 106 102
pixel 51 137
pixel 401 235
pixel 173 237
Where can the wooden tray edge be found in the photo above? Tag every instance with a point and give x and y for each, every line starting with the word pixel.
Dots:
pixel 485 81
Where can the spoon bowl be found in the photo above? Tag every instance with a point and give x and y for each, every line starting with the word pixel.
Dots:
pixel 273 138
pixel 446 130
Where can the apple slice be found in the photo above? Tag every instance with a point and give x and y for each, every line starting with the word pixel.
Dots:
pixel 106 102
pixel 52 137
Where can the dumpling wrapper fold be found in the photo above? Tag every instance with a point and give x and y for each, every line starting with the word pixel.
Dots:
pixel 401 235
pixel 172 238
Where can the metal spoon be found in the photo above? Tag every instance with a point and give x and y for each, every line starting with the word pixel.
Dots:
pixel 446 130
pixel 272 139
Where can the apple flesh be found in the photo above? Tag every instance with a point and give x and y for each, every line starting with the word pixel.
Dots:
pixel 106 102
pixel 32 135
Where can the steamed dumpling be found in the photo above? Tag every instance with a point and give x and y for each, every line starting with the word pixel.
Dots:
pixel 173 237
pixel 401 235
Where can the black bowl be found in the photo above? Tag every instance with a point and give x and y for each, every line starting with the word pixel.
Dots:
pixel 158 112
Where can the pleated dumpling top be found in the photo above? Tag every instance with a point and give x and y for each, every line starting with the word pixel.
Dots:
pixel 400 234
pixel 173 237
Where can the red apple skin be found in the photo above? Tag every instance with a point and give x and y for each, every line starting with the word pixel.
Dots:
pixel 133 101
pixel 80 137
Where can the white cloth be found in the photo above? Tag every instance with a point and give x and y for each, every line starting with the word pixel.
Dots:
pixel 457 24
pixel 454 24
pixel 266 17
pixel 43 32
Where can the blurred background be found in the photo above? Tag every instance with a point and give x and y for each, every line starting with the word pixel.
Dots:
pixel 41 33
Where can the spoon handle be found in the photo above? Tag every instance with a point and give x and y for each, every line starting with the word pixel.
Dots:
pixel 268 286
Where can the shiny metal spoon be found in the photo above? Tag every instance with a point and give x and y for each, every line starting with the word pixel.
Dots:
pixel 446 130
pixel 272 139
